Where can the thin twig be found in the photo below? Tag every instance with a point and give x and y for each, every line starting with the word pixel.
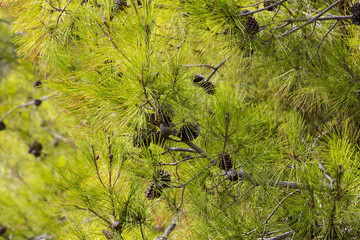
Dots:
pixel 229 205
pixel 26 105
pixel 182 150
pixel 55 8
pixel 178 162
pixel 312 19
pixel 172 226
pixel 142 232
pixel 95 158
pixel 198 65
pixel 182 199
pixel 194 177
pixel 262 9
pixel 110 187
pixel 95 213
pixel 335 17
pixel 194 147
pixel 273 211
pixel 322 40
pixel 112 42
pixel 215 69
pixel 241 175
pixel 57 21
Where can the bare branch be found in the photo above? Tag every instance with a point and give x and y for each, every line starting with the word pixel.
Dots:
pixel 182 150
pixel 216 68
pixel 194 147
pixel 57 21
pixel 262 9
pixel 311 20
pixel 26 105
pixel 198 65
pixel 169 228
pixel 322 40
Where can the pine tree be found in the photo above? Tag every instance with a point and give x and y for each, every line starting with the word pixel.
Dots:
pixel 209 119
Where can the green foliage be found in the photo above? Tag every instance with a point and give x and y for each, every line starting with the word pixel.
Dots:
pixel 279 99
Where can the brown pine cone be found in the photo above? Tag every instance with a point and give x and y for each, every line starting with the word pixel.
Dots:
pixel 355 11
pixel 252 27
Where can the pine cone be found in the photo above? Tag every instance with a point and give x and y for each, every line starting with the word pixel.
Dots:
pixel 231 175
pixel 208 87
pixel 35 149
pixel 197 78
pixel 225 161
pixel 2 125
pixel 251 26
pixel 2 230
pixel 165 131
pixel 119 5
pixel 163 178
pixel 117 225
pixel 355 11
pixel 37 84
pixel 37 102
pixel 153 192
pixel 268 3
pixel 189 131
pixel 108 234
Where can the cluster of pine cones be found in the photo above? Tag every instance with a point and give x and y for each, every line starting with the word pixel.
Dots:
pixel 162 180
pixel 162 119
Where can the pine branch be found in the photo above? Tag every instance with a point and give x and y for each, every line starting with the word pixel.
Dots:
pixel 190 150
pixel 142 232
pixel 261 9
pixel 235 175
pixel 95 158
pixel 311 20
pixel 33 102
pixel 215 69
pixel 95 213
pixel 194 147
pixel 169 228
pixel 322 40
pixel 198 65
